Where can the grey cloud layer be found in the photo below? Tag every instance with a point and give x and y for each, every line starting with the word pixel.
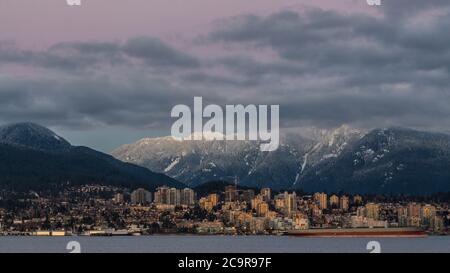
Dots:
pixel 81 55
pixel 324 69
pixel 369 70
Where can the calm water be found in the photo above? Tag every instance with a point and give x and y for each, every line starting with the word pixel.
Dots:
pixel 223 244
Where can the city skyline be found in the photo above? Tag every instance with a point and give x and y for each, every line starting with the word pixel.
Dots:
pixel 227 210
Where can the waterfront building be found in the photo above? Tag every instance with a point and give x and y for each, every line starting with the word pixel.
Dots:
pixel 174 197
pixel 427 215
pixel 215 227
pixel 214 199
pixel 315 210
pixel 279 203
pixel 162 195
pixel 118 198
pixel 357 200
pixel 334 201
pixel 344 203
pixel 414 210
pixel 300 221
pixel 231 193
pixel 206 204
pixel 266 194
pixel 321 199
pixel 438 224
pixel 402 216
pixel 414 221
pixel 290 202
pixel 141 196
pixel 209 202
pixel 365 222
pixel 372 211
pixel 262 209
pixel 258 225
pixel 256 201
pixel 188 197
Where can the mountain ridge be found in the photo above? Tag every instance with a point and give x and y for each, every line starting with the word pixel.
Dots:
pixel 32 156
pixel 33 136
pixel 389 160
pixel 311 160
pixel 196 162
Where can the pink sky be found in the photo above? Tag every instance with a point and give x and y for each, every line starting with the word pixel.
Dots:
pixel 40 23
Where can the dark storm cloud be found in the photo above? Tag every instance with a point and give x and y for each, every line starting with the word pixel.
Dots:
pixel 360 69
pixel 400 8
pixel 324 68
pixel 82 55
pixel 252 68
pixel 61 56
pixel 326 38
pixel 87 102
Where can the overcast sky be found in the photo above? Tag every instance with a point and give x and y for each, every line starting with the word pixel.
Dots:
pixel 109 72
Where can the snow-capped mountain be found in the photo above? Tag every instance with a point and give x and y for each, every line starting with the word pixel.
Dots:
pixel 393 160
pixel 390 161
pixel 196 162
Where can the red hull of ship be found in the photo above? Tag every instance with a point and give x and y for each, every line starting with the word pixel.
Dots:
pixel 360 233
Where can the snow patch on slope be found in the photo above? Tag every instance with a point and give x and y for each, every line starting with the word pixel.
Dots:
pixel 171 165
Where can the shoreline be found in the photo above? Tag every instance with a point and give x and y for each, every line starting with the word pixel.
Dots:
pixel 230 235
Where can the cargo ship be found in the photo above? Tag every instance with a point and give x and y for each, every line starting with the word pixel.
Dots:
pixel 358 232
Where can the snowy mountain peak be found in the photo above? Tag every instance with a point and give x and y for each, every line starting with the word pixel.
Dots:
pixel 195 162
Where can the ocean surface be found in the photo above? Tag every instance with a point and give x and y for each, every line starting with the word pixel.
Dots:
pixel 221 244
